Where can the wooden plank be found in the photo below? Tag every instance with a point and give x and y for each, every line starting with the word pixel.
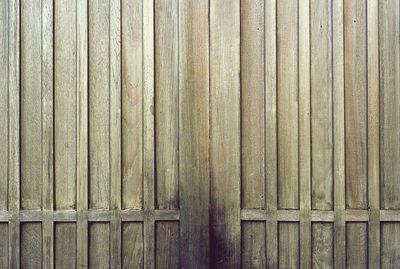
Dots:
pixel 148 132
pixel 4 105
pixel 289 252
pixel 374 225
pixel 99 101
pixel 194 178
pixel 65 245
pixel 253 245
pixel 356 245
pixel 31 245
pixel 338 133
pixel 132 102
pixel 4 237
pixel 321 105
pixel 225 165
pixel 322 245
pixel 166 103
pixel 390 100
pixel 287 104
pixel 31 105
pixel 99 247
pixel 252 104
pixel 65 102
pixel 271 134
pixel 82 133
pixel 390 244
pixel 355 49
pixel 132 245
pixel 167 246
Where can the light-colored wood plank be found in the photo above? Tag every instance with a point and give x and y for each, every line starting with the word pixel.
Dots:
pixel 31 245
pixel 287 104
pixel 389 29
pixel 225 164
pixel 194 178
pixel 166 103
pixel 252 104
pixel 167 246
pixel 289 252
pixel 65 101
pixel 4 105
pixel 99 247
pixel 390 244
pixel 99 102
pixel 4 237
pixel 132 245
pixel 253 245
pixel 31 105
pixel 65 245
pixel 132 102
pixel 321 105
pixel 356 245
pixel 322 245
pixel 355 49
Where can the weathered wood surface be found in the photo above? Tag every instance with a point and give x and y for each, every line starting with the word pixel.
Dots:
pixel 199 134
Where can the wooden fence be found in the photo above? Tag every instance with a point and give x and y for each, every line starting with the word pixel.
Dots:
pixel 199 134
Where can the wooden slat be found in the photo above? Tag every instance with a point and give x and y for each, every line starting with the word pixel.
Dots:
pixel 390 255
pixel 287 104
pixel 225 158
pixel 252 104
pixel 65 245
pixel 339 133
pixel 355 49
pixel 194 178
pixel 4 237
pixel 167 246
pixel 99 247
pixel 357 245
pixel 31 245
pixel 99 102
pixel 271 134
pixel 253 245
pixel 132 104
pixel 322 245
pixel 132 245
pixel 289 252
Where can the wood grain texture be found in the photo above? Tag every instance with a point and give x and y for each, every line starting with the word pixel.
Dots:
pixel 322 245
pixel 225 133
pixel 4 245
pixel 31 245
pixel 99 248
pixel 389 31
pixel 355 48
pixel 289 252
pixel 356 245
pixel 252 104
pixel 390 241
pixel 253 245
pixel 132 245
pixel 287 103
pixel 166 103
pixel 65 245
pixel 167 246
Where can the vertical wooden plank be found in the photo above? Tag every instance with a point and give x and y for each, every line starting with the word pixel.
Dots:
pixel 374 225
pixel 132 101
pixel 355 62
pixel 65 102
pixel 167 246
pixel 253 245
pixel 4 105
pixel 322 245
pixel 166 102
pixel 99 247
pixel 252 104
pixel 225 165
pixel 65 245
pixel 289 252
pixel 287 106
pixel 356 245
pixel 82 132
pixel 99 102
pixel 321 105
pixel 31 245
pixel 389 29
pixel 271 133
pixel 338 133
pixel 194 179
pixel 4 237
pixel 390 255
pixel 132 245
pixel 31 105
pixel 148 132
